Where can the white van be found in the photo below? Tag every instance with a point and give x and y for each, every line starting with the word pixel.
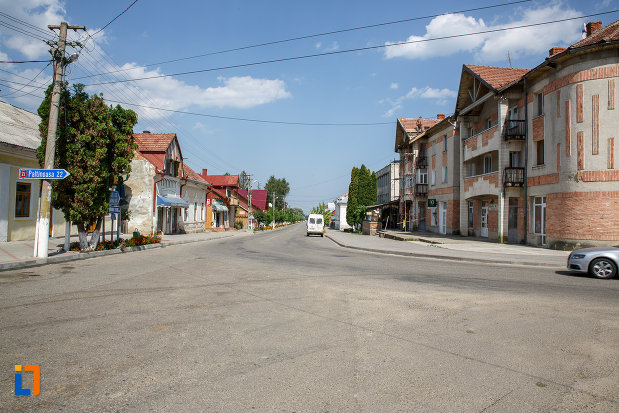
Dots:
pixel 315 225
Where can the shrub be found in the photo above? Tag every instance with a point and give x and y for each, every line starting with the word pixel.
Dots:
pixel 141 240
pixel 238 225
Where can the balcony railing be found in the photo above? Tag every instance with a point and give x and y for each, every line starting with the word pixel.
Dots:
pixel 421 189
pixel 513 176
pixel 422 162
pixel 514 130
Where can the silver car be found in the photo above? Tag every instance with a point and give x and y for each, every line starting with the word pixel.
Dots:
pixel 601 262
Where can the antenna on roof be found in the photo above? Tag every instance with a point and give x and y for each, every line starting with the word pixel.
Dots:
pixel 509 59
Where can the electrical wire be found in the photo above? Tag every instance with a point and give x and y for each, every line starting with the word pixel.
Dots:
pixel 358 49
pixel 29 83
pixel 45 33
pixel 310 36
pixel 114 19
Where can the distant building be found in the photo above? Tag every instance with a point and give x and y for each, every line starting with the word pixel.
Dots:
pixel 340 213
pixel 388 183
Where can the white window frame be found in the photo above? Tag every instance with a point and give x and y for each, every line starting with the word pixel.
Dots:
pixel 539 100
pixel 539 202
pixel 488 169
pixel 422 176
pixel 433 177
pixel 444 173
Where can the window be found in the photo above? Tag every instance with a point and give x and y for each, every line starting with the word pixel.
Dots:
pixel 22 200
pixel 487 164
pixel 471 169
pixel 471 210
pixel 514 159
pixel 540 152
pixel 540 103
pixel 319 221
pixel 433 177
pixel 312 221
pixel 488 123
pixel 444 177
pixel 422 176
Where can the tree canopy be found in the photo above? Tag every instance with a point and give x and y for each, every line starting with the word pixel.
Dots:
pixel 278 189
pixel 361 193
pixel 95 145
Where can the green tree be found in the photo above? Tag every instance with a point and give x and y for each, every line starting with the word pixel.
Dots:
pixel 352 197
pixel 322 209
pixel 277 189
pixel 95 145
pixel 244 180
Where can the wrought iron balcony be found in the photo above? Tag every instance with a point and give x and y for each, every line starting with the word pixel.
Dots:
pixel 421 189
pixel 513 177
pixel 422 162
pixel 514 130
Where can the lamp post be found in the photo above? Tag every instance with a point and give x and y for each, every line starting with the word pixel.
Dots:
pixel 251 214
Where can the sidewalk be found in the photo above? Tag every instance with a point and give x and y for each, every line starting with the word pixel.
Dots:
pixel 19 254
pixel 427 245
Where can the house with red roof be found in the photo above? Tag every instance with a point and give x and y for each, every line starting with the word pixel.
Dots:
pixel 533 151
pixel 194 190
pixel 258 203
pixel 222 201
pixel 538 146
pixel 154 187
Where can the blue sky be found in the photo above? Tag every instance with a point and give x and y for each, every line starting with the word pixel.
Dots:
pixel 373 86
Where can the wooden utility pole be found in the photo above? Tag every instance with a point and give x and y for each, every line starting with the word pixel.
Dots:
pixel 42 244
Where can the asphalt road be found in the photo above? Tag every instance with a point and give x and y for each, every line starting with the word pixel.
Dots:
pixel 282 322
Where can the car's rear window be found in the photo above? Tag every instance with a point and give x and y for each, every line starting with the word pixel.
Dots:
pixel 319 221
pixel 312 221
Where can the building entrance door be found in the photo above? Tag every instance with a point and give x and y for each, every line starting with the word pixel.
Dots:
pixel 512 221
pixel 442 217
pixel 484 219
pixel 422 215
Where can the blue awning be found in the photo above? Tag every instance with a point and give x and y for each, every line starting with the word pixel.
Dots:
pixel 171 201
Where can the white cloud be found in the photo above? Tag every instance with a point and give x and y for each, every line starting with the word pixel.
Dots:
pixel 492 46
pixel 39 13
pixel 438 96
pixel 328 48
pixel 394 86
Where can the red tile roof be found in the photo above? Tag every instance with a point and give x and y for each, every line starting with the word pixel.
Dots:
pixel 258 197
pixel 497 77
pixel 410 125
pixel 222 180
pixel 606 34
pixel 153 142
pixel 193 175
pixel 219 192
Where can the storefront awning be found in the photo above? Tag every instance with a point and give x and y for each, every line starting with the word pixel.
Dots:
pixel 219 207
pixel 171 201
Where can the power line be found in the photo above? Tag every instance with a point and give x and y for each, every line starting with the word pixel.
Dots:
pixel 359 49
pixel 253 120
pixel 114 19
pixel 31 26
pixel 25 61
pixel 23 31
pixel 29 83
pixel 292 39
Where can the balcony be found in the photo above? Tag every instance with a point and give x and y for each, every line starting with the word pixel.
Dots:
pixel 421 162
pixel 514 130
pixel 421 189
pixel 513 177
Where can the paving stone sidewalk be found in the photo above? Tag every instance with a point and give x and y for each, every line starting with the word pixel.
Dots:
pixel 457 249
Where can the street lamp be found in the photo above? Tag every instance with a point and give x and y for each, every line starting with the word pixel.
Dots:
pixel 251 213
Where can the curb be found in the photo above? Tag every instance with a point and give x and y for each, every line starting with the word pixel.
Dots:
pixel 86 255
pixel 445 257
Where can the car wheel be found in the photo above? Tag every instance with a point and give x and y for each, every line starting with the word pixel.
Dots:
pixel 602 268
pixel 322 235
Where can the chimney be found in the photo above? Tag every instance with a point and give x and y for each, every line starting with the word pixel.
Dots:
pixel 593 27
pixel 203 173
pixel 440 116
pixel 146 131
pixel 556 50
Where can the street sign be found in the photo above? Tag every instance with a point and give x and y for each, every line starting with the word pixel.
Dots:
pixel 114 197
pixel 431 203
pixel 114 209
pixel 43 173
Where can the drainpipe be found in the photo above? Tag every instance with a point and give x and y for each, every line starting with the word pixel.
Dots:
pixel 526 160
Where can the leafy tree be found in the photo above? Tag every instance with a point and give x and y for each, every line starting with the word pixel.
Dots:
pixel 324 211
pixel 361 193
pixel 95 145
pixel 244 180
pixel 353 194
pixel 278 189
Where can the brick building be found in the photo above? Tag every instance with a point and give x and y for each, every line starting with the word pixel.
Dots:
pixel 537 153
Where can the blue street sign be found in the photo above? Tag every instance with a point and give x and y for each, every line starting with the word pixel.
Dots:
pixel 114 209
pixel 114 197
pixel 43 173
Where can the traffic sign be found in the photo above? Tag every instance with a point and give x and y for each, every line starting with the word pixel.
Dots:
pixel 114 198
pixel 114 209
pixel 43 173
